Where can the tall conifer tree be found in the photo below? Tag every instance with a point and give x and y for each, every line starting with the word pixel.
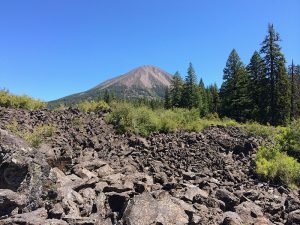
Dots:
pixel 235 99
pixel 277 76
pixel 190 95
pixel 258 88
pixel 176 90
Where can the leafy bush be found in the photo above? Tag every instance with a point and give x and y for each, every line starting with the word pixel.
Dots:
pixel 35 137
pixel 22 102
pixel 291 139
pixel 121 117
pixel 143 120
pixel 276 165
pixel 90 106
pixel 263 131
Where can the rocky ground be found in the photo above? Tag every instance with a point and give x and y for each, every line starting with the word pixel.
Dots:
pixel 86 174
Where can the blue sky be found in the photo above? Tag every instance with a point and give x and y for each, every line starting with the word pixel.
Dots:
pixel 53 48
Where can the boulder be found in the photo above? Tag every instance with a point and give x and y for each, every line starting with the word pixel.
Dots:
pixel 192 191
pixel 228 198
pixel 37 217
pixel 231 218
pixel 293 218
pixel 10 200
pixel 249 212
pixel 145 210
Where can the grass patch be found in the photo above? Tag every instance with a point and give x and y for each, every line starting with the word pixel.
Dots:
pixel 35 137
pixel 19 102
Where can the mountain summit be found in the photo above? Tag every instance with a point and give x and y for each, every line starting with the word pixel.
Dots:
pixel 142 82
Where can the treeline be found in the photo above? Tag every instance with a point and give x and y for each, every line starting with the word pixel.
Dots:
pixel 188 94
pixel 263 91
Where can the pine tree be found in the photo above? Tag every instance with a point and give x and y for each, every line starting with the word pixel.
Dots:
pixel 294 76
pixel 213 99
pixel 203 101
pixel 276 73
pixel 108 96
pixel 235 100
pixel 168 103
pixel 176 90
pixel 190 95
pixel 282 95
pixel 258 88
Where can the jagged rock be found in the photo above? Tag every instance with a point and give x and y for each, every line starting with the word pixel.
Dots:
pixel 105 171
pixel 37 217
pixel 228 198
pixel 9 201
pixel 293 218
pixel 118 188
pixel 87 174
pixel 249 212
pixel 145 210
pixel 56 212
pixel 192 191
pixel 231 218
pixel 292 203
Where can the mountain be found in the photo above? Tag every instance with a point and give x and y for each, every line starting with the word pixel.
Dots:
pixel 142 82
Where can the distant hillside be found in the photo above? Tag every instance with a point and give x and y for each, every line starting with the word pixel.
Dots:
pixel 144 81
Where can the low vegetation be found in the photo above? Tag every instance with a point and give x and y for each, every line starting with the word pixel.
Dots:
pixel 89 106
pixel 143 120
pixel 279 161
pixel 36 136
pixel 9 100
pixel 276 165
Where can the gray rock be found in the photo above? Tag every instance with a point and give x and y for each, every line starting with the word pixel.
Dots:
pixel 293 218
pixel 10 201
pixel 231 218
pixel 145 210
pixel 228 198
pixel 249 212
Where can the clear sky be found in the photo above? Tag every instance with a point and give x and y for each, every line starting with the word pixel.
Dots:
pixel 53 48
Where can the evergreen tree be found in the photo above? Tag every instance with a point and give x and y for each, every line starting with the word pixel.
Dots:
pixel 235 99
pixel 203 99
pixel 108 96
pixel 294 76
pixel 176 90
pixel 282 95
pixel 213 99
pixel 277 75
pixel 258 88
pixel 168 103
pixel 190 95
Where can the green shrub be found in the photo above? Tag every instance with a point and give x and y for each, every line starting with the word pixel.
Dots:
pixel 22 102
pixel 170 121
pixel 143 120
pixel 257 129
pixel 90 106
pixel 276 165
pixel 291 139
pixel 35 137
pixel 121 117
